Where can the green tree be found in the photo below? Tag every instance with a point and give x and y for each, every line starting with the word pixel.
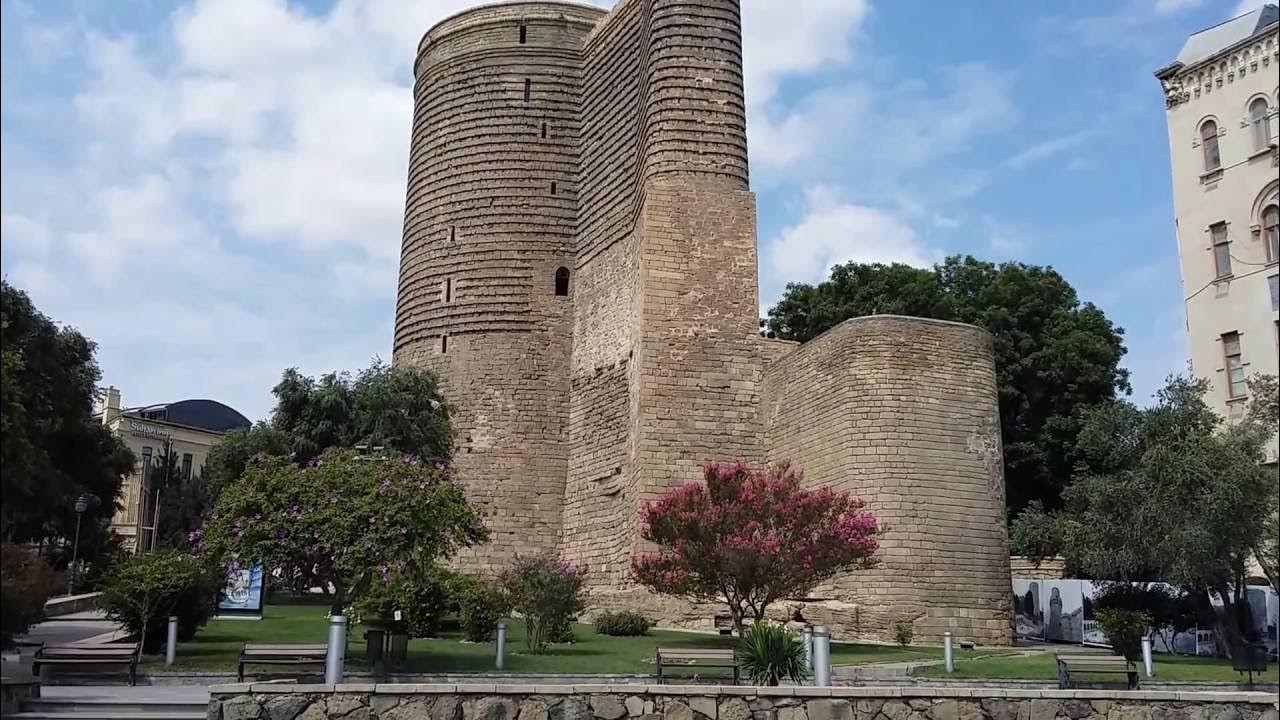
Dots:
pixel 346 519
pixel 398 407
pixel 1263 418
pixel 1164 493
pixel 1054 354
pixel 233 451
pixel 51 448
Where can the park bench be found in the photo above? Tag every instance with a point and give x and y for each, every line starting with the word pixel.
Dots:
pixel 88 654
pixel 696 658
pixel 1068 664
pixel 251 654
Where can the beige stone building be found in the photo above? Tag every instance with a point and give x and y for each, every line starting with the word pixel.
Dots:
pixel 187 429
pixel 579 264
pixel 1221 94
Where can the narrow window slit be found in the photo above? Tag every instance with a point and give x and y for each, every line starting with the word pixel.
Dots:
pixel 523 34
pixel 528 89
pixel 544 131
pixel 553 187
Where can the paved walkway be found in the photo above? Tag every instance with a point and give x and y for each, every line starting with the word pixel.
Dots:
pixel 75 627
pixel 140 693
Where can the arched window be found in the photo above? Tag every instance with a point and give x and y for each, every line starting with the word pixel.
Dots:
pixel 1259 118
pixel 1271 231
pixel 1209 138
pixel 562 281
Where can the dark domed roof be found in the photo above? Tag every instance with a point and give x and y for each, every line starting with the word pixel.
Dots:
pixel 204 414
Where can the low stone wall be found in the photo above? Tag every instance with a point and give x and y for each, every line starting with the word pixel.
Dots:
pixel 68 604
pixel 269 701
pixel 14 690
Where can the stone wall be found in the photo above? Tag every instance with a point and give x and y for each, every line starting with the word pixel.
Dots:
pixel 551 135
pixel 903 413
pixel 490 216
pixel 666 702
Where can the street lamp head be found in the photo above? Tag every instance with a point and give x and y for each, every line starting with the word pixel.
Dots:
pixel 82 503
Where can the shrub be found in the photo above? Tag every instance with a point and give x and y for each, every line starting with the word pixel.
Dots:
pixel 768 653
pixel 547 592
pixel 624 623
pixel 482 606
pixel 420 598
pixel 904 631
pixel 1125 630
pixel 560 630
pixel 26 582
pixel 140 593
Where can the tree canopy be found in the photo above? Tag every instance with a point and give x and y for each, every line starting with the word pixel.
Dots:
pixel 1054 354
pixel 52 449
pixel 750 537
pixel 341 520
pixel 1165 493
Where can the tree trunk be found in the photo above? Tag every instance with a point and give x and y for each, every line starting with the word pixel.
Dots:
pixel 1227 636
pixel 1271 572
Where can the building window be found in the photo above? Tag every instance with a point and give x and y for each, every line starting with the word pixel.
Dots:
pixel 562 281
pixel 1236 385
pixel 444 344
pixel 1259 117
pixel 523 34
pixel 1209 139
pixel 1221 249
pixel 1271 231
pixel 448 290
pixel 528 89
pixel 186 466
pixel 1273 284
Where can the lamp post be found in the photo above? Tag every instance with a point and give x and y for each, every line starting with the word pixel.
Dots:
pixel 81 504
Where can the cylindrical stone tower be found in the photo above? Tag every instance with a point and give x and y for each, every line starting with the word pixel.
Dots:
pixel 486 280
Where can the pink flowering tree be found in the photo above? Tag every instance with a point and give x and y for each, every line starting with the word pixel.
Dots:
pixel 342 521
pixel 547 592
pixel 750 536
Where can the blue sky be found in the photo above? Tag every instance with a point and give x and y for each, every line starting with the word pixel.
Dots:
pixel 212 190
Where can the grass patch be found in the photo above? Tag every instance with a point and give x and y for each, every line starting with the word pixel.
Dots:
pixel 1041 666
pixel 217 645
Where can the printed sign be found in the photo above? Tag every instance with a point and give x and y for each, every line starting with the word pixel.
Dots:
pixel 243 593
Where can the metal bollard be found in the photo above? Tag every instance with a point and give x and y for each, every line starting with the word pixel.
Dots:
pixel 806 637
pixel 1148 666
pixel 821 656
pixel 337 650
pixel 502 645
pixel 171 642
pixel 948 656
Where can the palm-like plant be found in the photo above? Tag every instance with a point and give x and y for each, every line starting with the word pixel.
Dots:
pixel 769 652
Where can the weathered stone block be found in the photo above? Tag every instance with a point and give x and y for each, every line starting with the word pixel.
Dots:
pixel 285 707
pixel 608 707
pixel 241 707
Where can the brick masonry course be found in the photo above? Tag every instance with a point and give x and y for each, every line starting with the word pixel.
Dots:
pixel 552 137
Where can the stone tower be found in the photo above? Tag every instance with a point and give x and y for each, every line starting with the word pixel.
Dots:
pixel 579 264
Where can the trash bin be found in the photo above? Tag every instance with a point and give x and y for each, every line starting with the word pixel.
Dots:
pixel 397 649
pixel 374 640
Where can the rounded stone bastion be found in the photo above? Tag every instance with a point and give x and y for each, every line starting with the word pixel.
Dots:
pixel 904 413
pixel 485 293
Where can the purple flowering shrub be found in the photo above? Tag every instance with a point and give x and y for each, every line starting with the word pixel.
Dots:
pixel 547 592
pixel 342 522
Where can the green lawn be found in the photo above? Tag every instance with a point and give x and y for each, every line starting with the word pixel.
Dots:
pixel 216 645
pixel 1169 668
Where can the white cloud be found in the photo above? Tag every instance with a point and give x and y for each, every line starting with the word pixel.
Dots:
pixel 1046 149
pixel 833 231
pixel 783 37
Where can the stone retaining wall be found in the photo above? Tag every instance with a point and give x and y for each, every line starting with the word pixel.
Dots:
pixel 695 702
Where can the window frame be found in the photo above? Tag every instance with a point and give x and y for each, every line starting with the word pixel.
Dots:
pixel 1207 140
pixel 1240 381
pixel 562 275
pixel 1271 233
pixel 1222 241
pixel 1260 125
